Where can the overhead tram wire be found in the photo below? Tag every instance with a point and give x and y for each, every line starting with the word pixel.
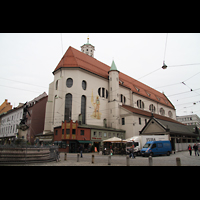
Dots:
pixel 165 52
pixel 184 65
pixel 183 92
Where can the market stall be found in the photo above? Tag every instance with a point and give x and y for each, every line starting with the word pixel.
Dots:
pixel 117 145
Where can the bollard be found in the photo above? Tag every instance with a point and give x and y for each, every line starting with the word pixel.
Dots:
pixel 178 161
pixel 92 158
pixel 150 161
pixel 109 160
pixel 65 156
pixel 127 160
pixel 78 157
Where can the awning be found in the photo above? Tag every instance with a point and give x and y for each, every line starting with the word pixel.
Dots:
pixel 114 140
pixel 45 140
pixel 84 141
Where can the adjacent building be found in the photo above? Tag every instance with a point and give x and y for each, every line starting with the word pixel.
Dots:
pixel 35 122
pixel 189 119
pixel 100 99
pixel 12 118
pixel 5 106
pixel 179 134
pixel 9 121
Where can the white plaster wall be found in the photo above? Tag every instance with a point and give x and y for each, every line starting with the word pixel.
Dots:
pixel 9 122
pixel 93 84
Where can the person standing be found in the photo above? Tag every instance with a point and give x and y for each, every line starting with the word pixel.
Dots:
pixel 190 149
pixel 81 150
pixel 195 147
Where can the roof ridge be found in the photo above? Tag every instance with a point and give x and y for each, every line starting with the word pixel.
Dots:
pixel 72 49
pixel 149 114
pixel 80 59
pixel 89 57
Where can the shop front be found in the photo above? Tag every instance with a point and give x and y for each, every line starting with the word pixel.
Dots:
pixel 69 136
pixel 99 134
pixel 115 145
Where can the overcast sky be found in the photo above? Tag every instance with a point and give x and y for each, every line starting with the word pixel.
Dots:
pixel 31 58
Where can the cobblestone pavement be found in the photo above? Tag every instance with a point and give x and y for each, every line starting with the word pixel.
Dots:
pixel 119 160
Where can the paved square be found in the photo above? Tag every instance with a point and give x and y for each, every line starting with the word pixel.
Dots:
pixel 119 160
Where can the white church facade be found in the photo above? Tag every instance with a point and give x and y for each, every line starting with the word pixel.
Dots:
pixel 95 94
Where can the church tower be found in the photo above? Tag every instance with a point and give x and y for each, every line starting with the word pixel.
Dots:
pixel 88 48
pixel 114 115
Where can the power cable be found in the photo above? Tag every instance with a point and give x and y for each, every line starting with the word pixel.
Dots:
pixel 165 49
pixel 184 65
pixel 183 92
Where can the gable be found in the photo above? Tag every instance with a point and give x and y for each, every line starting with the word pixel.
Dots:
pixel 153 127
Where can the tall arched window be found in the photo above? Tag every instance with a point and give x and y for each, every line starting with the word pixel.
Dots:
pixel 83 108
pixel 68 107
pixel 56 84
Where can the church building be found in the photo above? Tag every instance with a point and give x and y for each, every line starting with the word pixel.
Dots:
pixel 90 101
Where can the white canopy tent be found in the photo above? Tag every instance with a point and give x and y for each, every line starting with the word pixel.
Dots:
pixel 114 140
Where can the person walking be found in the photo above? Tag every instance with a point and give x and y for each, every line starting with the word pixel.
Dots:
pixel 81 150
pixel 195 147
pixel 190 149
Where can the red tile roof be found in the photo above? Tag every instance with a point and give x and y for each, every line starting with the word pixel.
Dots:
pixel 149 114
pixel 75 58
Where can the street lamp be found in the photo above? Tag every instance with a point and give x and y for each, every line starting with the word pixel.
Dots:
pixel 164 65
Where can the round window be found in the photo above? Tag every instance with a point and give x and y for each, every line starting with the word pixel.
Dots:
pixel 69 82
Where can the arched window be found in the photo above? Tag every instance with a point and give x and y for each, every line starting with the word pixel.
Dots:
pixel 56 84
pixel 84 85
pixel 123 99
pixel 83 108
pixel 152 108
pixel 170 114
pixel 162 111
pixel 68 107
pixel 69 82
pixel 140 104
pixel 103 92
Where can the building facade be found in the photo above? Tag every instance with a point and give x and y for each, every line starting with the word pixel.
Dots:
pixel 179 134
pixel 35 122
pixel 189 120
pixel 5 106
pixel 11 119
pixel 92 93
pixel 9 122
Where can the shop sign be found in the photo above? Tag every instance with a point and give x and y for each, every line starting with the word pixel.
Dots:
pixel 45 137
pixel 94 138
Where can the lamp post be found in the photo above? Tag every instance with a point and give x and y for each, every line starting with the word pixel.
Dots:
pixel 164 65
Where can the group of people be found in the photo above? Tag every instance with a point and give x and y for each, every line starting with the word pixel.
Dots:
pixel 195 147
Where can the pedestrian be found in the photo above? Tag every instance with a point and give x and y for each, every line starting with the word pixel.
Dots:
pixel 104 151
pixel 190 149
pixel 131 152
pixel 195 147
pixel 111 152
pixel 81 150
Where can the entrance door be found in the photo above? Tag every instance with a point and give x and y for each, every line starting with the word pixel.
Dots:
pixel 72 147
pixel 173 143
pixel 96 144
